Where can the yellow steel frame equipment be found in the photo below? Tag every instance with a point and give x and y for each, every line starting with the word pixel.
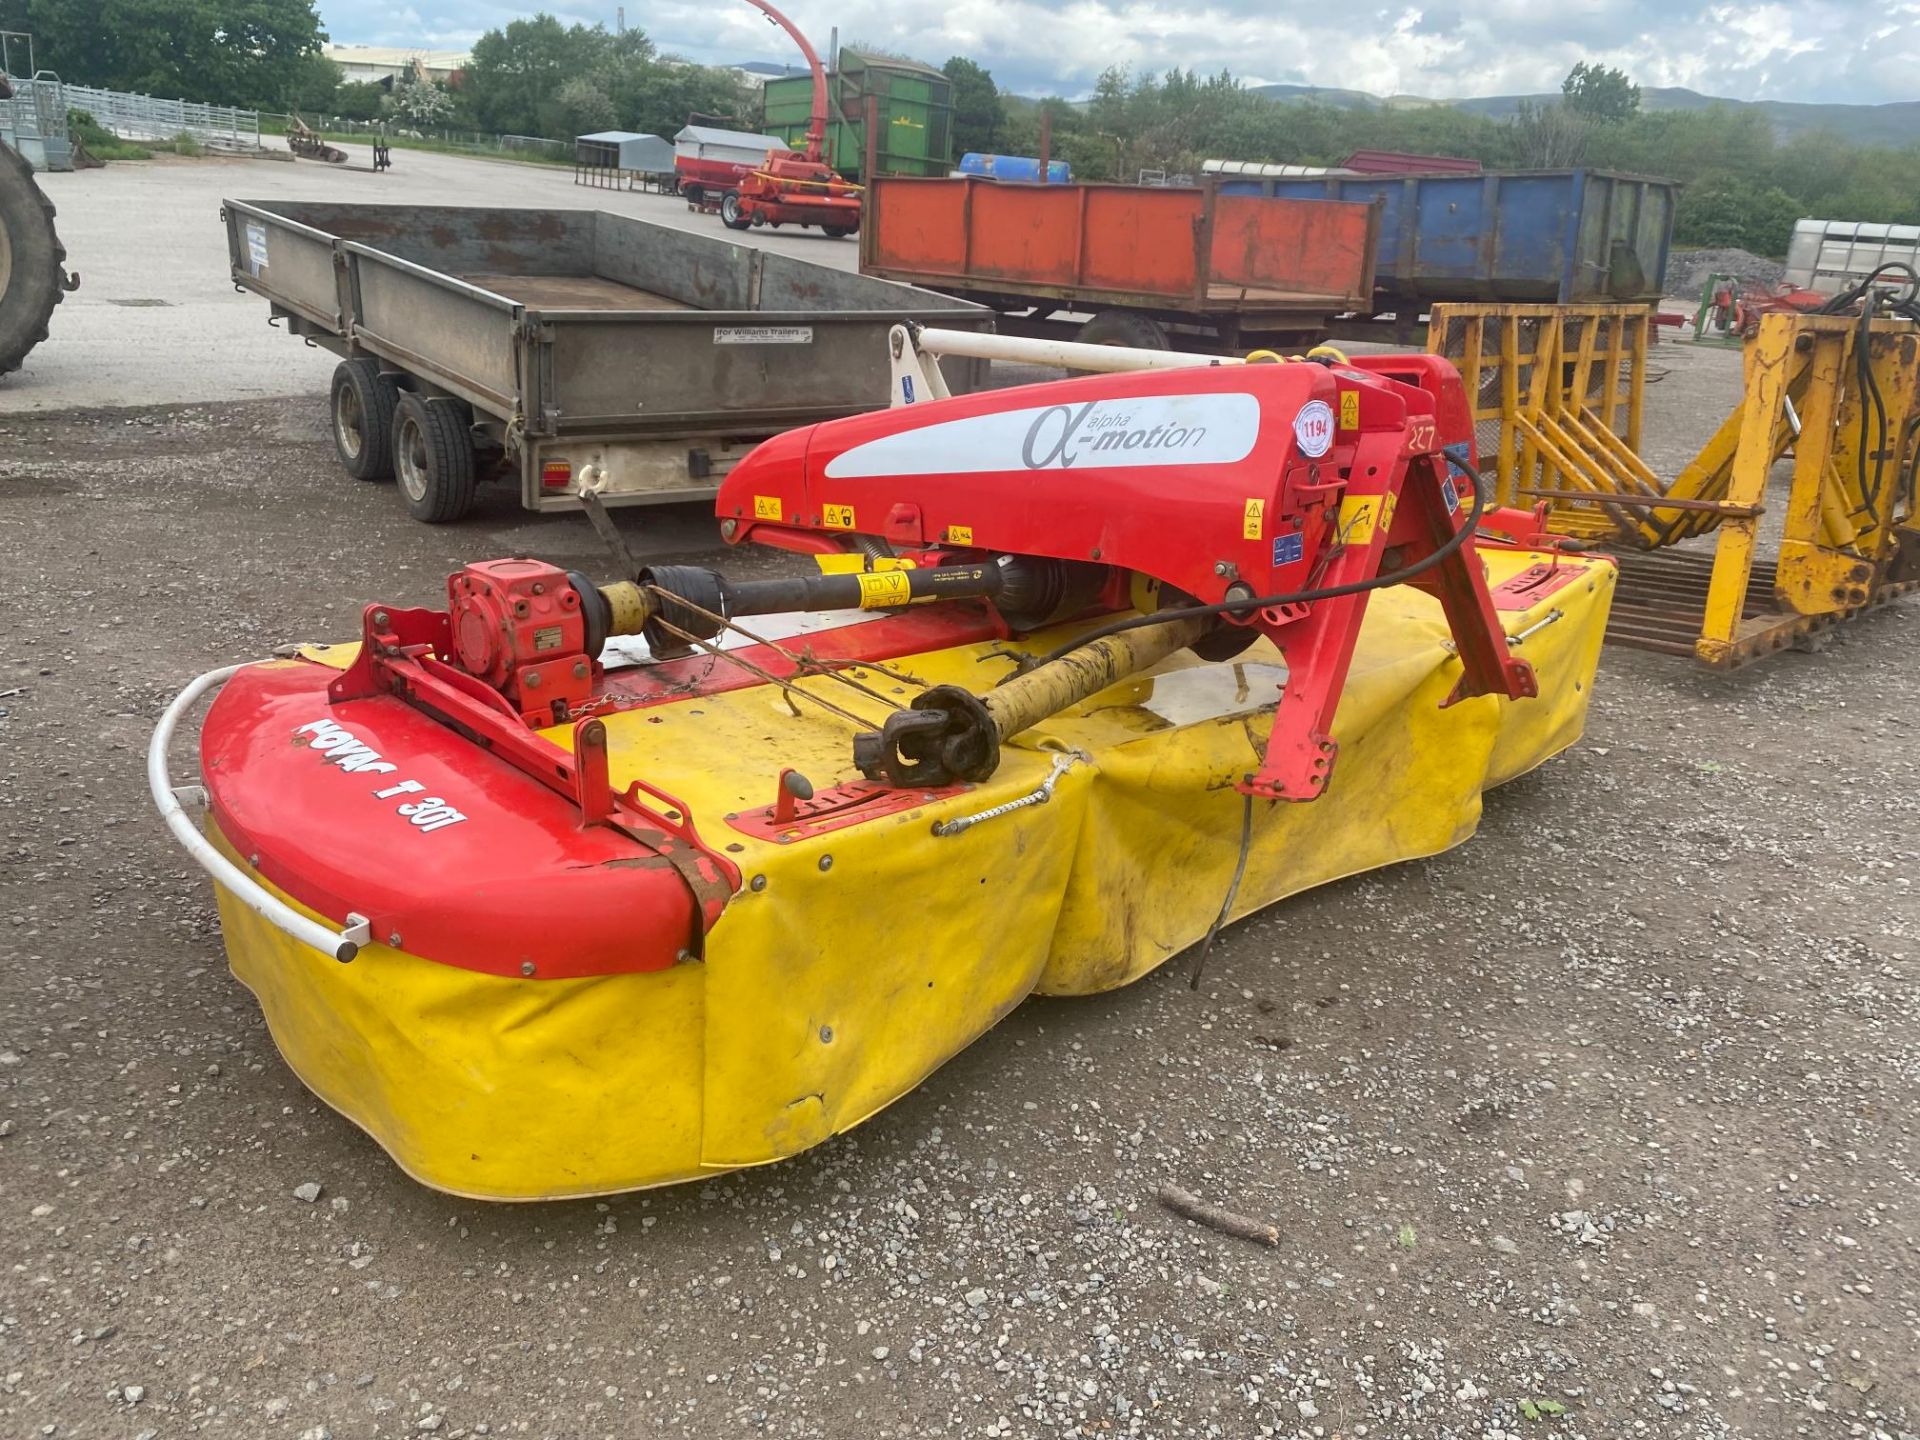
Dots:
pixel 1558 397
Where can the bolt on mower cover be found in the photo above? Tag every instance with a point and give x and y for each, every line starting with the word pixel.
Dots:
pixel 635 923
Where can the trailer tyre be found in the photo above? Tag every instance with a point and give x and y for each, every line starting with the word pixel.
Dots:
pixel 364 402
pixel 839 232
pixel 433 458
pixel 730 215
pixel 1123 327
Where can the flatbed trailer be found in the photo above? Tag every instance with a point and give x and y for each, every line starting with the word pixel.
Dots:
pixel 1153 266
pixel 558 349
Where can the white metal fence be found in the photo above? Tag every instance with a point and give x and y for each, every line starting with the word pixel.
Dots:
pixel 34 123
pixel 395 126
pixel 144 117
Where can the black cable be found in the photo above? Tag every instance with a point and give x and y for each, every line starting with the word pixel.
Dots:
pixel 1909 473
pixel 1870 387
pixel 1233 891
pixel 1905 302
pixel 1299 597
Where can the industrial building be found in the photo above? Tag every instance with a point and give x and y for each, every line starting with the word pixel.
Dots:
pixel 360 64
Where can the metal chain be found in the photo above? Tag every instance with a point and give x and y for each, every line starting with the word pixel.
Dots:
pixel 787 687
pixel 801 665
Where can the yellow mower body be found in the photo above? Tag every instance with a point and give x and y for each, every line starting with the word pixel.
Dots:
pixel 853 961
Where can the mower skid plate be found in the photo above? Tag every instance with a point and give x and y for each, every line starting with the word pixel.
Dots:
pixel 371 807
pixel 862 948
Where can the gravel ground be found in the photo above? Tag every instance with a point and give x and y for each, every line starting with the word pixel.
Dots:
pixel 1687 270
pixel 1602 1125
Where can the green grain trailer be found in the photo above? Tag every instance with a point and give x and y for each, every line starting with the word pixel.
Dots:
pixel 916 114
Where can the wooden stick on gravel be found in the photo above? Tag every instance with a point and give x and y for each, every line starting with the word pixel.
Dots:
pixel 1227 1222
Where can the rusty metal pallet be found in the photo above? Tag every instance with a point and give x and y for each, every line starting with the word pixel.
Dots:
pixel 1661 606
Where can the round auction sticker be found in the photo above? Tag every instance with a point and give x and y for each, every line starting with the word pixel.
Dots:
pixel 1313 428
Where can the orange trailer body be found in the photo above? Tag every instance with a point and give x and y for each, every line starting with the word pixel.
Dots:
pixel 1177 253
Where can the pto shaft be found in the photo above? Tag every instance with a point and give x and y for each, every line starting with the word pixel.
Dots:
pixel 674 604
pixel 952 734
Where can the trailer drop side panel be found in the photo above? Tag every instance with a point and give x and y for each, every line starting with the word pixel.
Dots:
pixel 654 355
pixel 1183 252
pixel 1552 236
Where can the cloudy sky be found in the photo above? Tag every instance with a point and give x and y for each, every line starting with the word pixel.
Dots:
pixel 1817 50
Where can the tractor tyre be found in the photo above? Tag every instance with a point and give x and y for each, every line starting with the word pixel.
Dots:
pixel 364 406
pixel 32 280
pixel 730 215
pixel 433 458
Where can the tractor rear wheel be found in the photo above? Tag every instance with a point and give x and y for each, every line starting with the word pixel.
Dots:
pixel 32 281
pixel 730 213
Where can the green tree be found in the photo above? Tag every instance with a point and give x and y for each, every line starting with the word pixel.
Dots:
pixel 228 52
pixel 540 77
pixel 315 86
pixel 1727 213
pixel 419 102
pixel 514 79
pixel 1601 94
pixel 363 100
pixel 977 112
pixel 586 106
pixel 1549 136
pixel 658 96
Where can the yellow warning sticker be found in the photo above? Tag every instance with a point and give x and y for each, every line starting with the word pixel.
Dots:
pixel 883 588
pixel 1254 521
pixel 1361 515
pixel 1358 516
pixel 852 563
pixel 1349 409
pixel 766 507
pixel 959 534
pixel 837 517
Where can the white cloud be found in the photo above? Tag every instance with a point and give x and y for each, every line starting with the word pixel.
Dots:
pixel 1819 50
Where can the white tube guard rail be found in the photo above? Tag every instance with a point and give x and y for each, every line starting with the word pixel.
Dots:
pixel 342 944
pixel 1067 354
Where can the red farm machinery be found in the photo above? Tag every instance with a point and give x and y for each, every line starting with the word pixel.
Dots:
pixel 796 187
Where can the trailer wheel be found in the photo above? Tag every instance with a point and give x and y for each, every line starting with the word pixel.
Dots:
pixel 364 402
pixel 694 194
pixel 433 458
pixel 1123 327
pixel 839 232
pixel 730 215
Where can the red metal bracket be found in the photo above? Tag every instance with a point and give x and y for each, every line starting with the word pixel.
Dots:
pixel 1319 647
pixel 1534 584
pixel 833 809
pixel 397 657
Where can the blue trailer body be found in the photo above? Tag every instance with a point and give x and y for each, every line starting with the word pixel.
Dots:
pixel 1555 236
pixel 1024 169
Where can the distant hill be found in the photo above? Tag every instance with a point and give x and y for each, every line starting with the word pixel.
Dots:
pixel 1897 123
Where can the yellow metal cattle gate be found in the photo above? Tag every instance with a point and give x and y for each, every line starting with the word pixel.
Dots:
pixel 1558 395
